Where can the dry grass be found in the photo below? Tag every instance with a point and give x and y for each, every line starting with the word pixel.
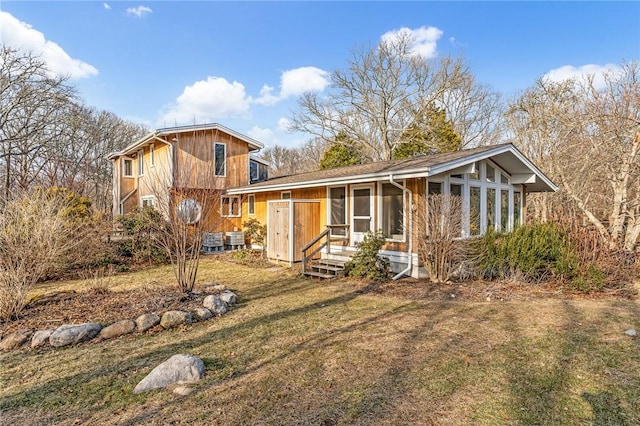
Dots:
pixel 297 351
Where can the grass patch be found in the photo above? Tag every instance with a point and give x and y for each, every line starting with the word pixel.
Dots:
pixel 299 351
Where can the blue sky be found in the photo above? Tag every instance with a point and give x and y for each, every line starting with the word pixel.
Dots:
pixel 242 64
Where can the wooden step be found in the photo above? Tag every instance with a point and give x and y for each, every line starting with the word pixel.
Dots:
pixel 319 275
pixel 332 262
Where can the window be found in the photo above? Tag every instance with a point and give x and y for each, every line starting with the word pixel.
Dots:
pixel 491 208
pixel 474 210
pixel 455 189
pixel 220 159
pixel 141 162
pixel 392 215
pixel 189 211
pixel 251 204
pixel 434 188
pixel 504 209
pixel 127 168
pixel 517 209
pixel 338 213
pixel 148 201
pixel 491 173
pixel 230 207
pixel 504 179
pixel 285 195
pixel 257 172
pixel 152 157
pixel 476 174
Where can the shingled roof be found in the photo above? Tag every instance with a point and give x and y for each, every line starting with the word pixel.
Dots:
pixel 418 166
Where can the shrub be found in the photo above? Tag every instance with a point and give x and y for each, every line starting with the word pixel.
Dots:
pixel 536 252
pixel 256 232
pixel 367 262
pixel 139 225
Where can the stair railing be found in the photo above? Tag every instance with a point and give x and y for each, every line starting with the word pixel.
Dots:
pixel 306 257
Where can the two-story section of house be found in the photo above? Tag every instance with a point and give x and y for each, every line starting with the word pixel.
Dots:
pixel 207 157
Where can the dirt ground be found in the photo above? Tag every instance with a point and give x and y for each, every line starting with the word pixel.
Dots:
pixel 106 306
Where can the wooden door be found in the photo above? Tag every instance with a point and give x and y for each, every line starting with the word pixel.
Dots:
pixel 278 229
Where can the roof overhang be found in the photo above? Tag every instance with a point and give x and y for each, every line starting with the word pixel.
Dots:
pixel 158 134
pixel 507 156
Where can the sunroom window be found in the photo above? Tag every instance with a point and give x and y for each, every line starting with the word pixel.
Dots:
pixel 392 211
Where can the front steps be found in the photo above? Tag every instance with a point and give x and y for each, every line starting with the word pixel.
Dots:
pixel 326 268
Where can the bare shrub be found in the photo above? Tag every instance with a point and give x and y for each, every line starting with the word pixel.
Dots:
pixel 439 246
pixel 38 233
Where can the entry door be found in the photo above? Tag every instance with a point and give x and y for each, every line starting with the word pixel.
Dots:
pixel 361 212
pixel 278 241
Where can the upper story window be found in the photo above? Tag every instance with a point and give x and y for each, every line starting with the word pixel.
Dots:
pixel 220 159
pixel 141 162
pixel 257 172
pixel 127 167
pixel 152 157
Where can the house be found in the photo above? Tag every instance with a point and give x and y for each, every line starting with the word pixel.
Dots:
pixel 207 156
pixel 342 204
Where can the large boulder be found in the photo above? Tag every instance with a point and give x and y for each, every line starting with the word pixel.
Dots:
pixel 228 297
pixel 146 321
pixel 215 304
pixel 214 287
pixel 177 369
pixel 202 314
pixel 41 338
pixel 69 334
pixel 174 318
pixel 117 329
pixel 15 340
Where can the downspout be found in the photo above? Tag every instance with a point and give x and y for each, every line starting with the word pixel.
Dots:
pixel 408 192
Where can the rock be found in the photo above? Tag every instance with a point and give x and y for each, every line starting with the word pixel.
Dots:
pixel 173 318
pixel 214 287
pixel 15 340
pixel 117 329
pixel 177 369
pixel 72 334
pixel 228 297
pixel 41 338
pixel 215 304
pixel 631 332
pixel 202 314
pixel 183 390
pixel 146 321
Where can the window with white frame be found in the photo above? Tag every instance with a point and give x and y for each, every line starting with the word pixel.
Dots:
pixel 285 195
pixel 152 158
pixel 251 204
pixel 338 210
pixel 141 163
pixel 148 201
pixel 127 167
pixel 392 211
pixel 220 159
pixel 517 208
pixel 230 206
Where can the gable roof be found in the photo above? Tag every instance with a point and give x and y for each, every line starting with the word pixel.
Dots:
pixel 507 156
pixel 254 145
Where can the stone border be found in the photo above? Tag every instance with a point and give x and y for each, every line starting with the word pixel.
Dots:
pixel 215 304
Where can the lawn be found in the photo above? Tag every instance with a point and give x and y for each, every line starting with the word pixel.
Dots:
pixel 298 351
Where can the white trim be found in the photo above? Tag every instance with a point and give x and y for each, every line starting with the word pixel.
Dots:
pixel 215 159
pixel 230 197
pixel 249 198
pixel 124 168
pixel 372 209
pixel 150 198
pixel 404 210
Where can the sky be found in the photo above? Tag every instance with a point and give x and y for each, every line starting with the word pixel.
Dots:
pixel 243 64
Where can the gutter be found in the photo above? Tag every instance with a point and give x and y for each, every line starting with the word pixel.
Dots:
pixel 406 191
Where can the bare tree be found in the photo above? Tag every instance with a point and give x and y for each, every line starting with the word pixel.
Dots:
pixel 188 196
pixel 439 246
pixel 377 97
pixel 589 138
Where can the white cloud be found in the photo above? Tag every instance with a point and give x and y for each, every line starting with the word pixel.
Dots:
pixel 22 36
pixel 295 82
pixel 106 6
pixel 139 11
pixel 284 124
pixel 598 73
pixel 266 136
pixel 425 40
pixel 208 100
